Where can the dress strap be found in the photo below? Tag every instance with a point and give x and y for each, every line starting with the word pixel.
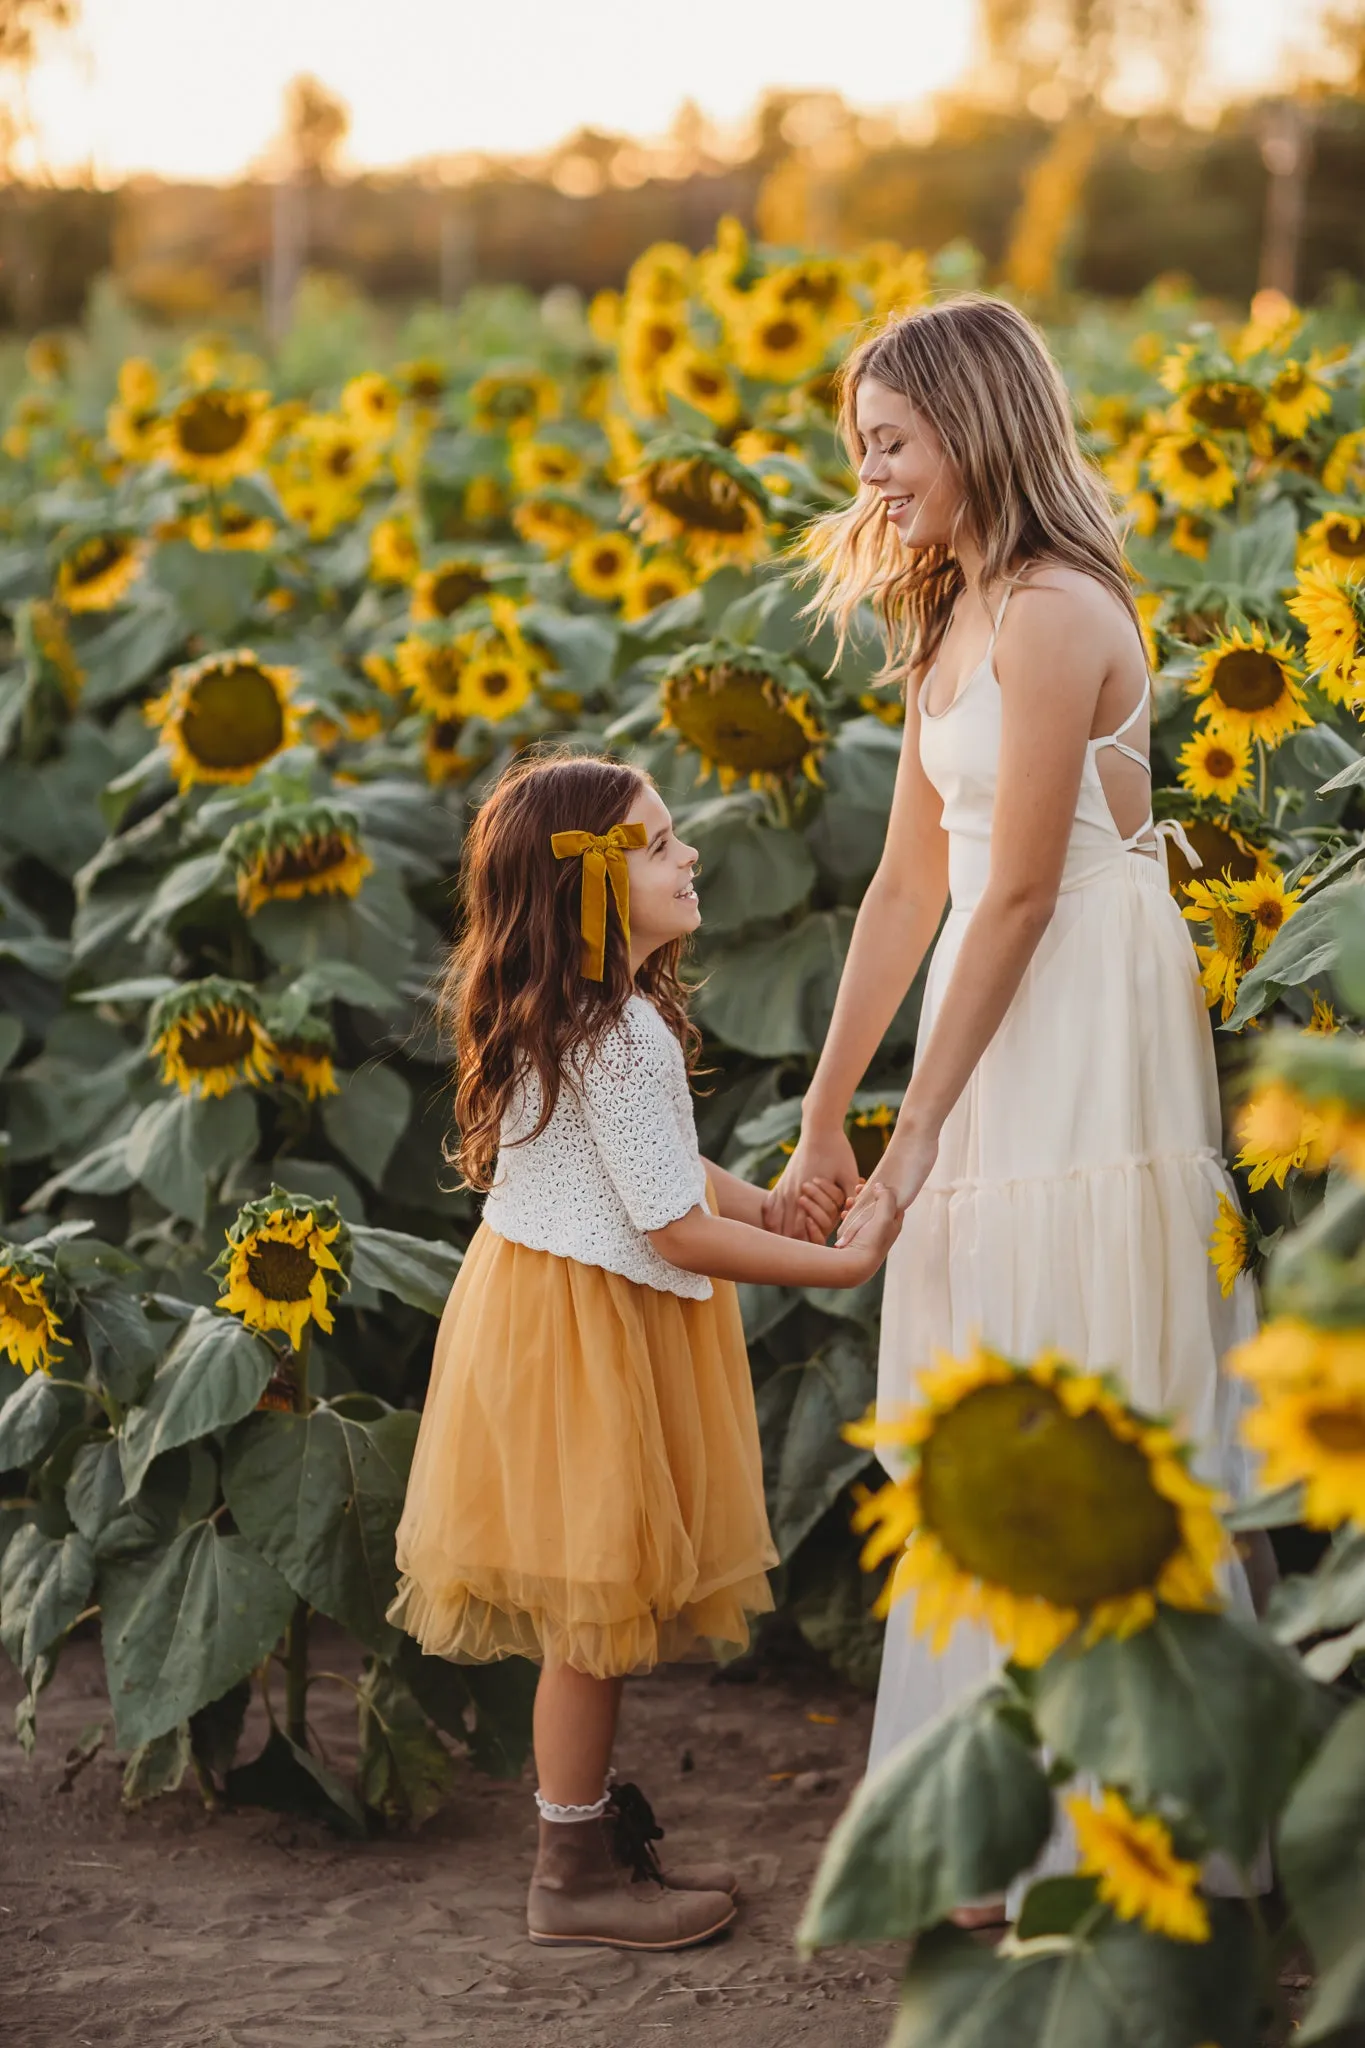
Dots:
pixel 1115 738
pixel 995 629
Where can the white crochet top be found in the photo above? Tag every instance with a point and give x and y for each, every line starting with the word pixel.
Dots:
pixel 617 1158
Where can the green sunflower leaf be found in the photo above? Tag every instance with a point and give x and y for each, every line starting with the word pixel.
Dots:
pixel 29 1420
pixel 750 869
pixel 367 1119
pixel 952 1816
pixel 44 1585
pixel 182 1627
pixel 1322 1862
pixel 418 1270
pixel 212 588
pixel 213 1374
pixel 179 1141
pixel 320 1495
pixel 801 1409
pixel 285 1778
pixel 1304 947
pixel 405 1770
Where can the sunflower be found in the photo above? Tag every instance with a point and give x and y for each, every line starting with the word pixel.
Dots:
pixel 41 633
pixel 342 456
pixel 494 684
pixel 1220 406
pixel 661 275
pixel 1191 535
pixel 484 500
pixel 382 671
pixel 1338 540
pixel 139 386
pixel 1230 1246
pixel 551 524
pixel 818 284
pixel 603 565
pixel 604 317
pixel 231 526
pixel 423 381
pixel 741 719
pixel 1191 471
pixel 135 431
pixel 440 592
pixel 216 435
pixel 371 402
pixel 296 850
pixel 304 1056
pixel 1249 687
pixel 1264 899
pixel 1277 1132
pixel 394 556
pixel 1324 1022
pixel 1297 397
pixel 650 334
pixel 1139 1873
pixel 512 401
pixel 779 343
pixel 701 380
pixel 430 670
pixel 1274 322
pixel 96 574
pixel 755 446
pixel 902 285
pixel 1223 963
pixel 1309 1422
pixel 1331 607
pixel 224 717
pixel 210 1039
pixel 545 465
pixel 1144 509
pixel 1224 853
pixel 443 760
pixel 870 1133
pixel 280 1267
pixel 1038 1503
pixel 30 1328
pixel 655 582
pixel 700 499
pixel 1345 466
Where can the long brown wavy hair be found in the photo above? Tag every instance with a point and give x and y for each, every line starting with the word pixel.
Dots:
pixel 981 374
pixel 514 999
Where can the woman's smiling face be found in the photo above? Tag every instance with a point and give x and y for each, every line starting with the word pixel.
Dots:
pixel 907 463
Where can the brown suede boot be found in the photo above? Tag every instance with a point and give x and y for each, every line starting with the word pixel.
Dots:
pixel 581 1896
pixel 634 1831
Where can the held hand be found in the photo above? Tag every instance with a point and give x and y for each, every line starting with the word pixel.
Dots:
pixel 903 1170
pixel 821 1204
pixel 819 1156
pixel 879 1229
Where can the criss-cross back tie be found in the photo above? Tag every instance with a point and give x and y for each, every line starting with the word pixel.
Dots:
pixel 604 858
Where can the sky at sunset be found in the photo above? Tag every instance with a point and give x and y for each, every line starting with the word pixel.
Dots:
pixel 189 88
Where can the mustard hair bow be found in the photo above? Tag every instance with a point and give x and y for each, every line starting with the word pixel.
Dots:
pixel 604 855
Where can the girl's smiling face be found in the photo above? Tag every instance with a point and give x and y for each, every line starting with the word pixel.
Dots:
pixel 907 463
pixel 663 902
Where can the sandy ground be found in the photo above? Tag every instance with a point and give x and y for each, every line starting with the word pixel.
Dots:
pixel 174 1928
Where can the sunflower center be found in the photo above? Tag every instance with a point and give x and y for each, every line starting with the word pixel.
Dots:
pixel 1049 1505
pixel 1248 680
pixel 30 1315
pixel 444 734
pixel 702 496
pixel 1347 537
pixel 1219 763
pixel 444 668
pixel 211 424
pixel 340 460
pixel 95 557
pixel 781 334
pixel 315 856
pixel 734 721
pixel 1340 1430
pixel 1224 405
pixel 281 1272
pixel 606 561
pixel 1269 915
pixel 706 383
pixel 495 682
pixel 222 1041
pixel 234 718
pixel 453 588
pixel 1197 459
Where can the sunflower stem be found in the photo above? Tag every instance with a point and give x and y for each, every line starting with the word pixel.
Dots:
pixel 1262 776
pixel 296 1677
pixel 301 1351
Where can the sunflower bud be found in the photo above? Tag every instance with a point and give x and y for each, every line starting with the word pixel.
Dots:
pixel 745 713
pixel 285 1261
pixel 30 1328
pixel 296 850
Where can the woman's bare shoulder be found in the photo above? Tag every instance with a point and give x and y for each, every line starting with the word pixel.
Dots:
pixel 1052 599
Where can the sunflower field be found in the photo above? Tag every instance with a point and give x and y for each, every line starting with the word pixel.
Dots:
pixel 269 633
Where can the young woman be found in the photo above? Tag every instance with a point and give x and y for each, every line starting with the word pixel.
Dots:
pixel 1057 1154
pixel 587 1488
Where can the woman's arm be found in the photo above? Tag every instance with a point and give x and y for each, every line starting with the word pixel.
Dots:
pixel 1051 673
pixel 895 926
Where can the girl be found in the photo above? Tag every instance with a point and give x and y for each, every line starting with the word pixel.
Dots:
pixel 1060 1137
pixel 586 1488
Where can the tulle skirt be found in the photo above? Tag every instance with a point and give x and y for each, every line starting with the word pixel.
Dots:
pixel 1071 1205
pixel 587 1484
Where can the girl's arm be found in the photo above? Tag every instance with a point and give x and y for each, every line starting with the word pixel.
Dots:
pixel 1060 645
pixel 740 1200
pixel 736 1198
pixel 895 926
pixel 728 1250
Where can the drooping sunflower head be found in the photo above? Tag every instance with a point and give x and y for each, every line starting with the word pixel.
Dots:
pixel 1216 764
pixel 1191 536
pixel 394 554
pixel 30 1327
pixel 296 850
pixel 230 525
pixel 1039 1503
pixel 1191 471
pixel 1249 685
pixel 1309 1421
pixel 225 716
pixel 440 592
pixel 745 720
pixel 217 434
pixel 1221 406
pixel 1223 853
pixel 210 1038
pixel 1344 468
pixel 97 573
pixel 545 465
pixel 423 381
pixel 699 498
pixel 1231 1245
pixel 602 565
pixel 304 1054
pixel 285 1261
pixel 512 401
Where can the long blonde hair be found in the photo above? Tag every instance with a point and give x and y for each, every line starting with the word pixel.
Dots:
pixel 981 375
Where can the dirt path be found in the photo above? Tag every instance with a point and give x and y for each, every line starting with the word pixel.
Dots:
pixel 172 1928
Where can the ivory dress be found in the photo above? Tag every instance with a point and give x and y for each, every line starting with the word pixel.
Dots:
pixel 587 1482
pixel 1078 1175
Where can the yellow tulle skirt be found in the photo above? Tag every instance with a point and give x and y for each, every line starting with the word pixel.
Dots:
pixel 587 1484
